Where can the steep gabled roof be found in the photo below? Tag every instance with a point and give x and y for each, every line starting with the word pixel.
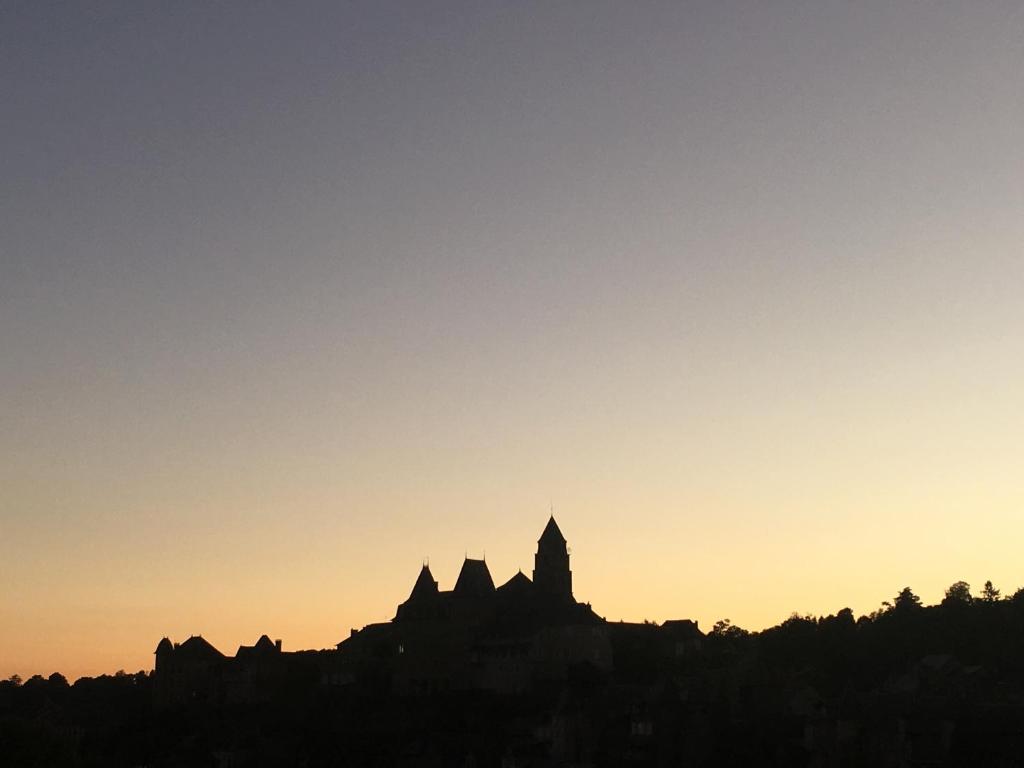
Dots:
pixel 164 646
pixel 518 584
pixel 682 628
pixel 474 579
pixel 551 533
pixel 425 585
pixel 196 648
pixel 263 647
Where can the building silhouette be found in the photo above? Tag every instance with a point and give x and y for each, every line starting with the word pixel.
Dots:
pixel 478 636
pixel 551 573
pixel 475 636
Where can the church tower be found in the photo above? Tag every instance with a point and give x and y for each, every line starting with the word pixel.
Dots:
pixel 551 574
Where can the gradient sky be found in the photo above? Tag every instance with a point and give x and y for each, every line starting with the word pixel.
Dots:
pixel 294 295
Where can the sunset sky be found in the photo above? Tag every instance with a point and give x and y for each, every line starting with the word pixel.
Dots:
pixel 295 295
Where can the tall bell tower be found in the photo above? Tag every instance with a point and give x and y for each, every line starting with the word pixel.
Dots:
pixel 551 574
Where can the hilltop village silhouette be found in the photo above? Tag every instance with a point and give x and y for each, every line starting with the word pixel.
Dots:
pixel 525 676
pixel 476 636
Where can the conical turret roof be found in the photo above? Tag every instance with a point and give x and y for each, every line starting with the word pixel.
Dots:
pixel 474 579
pixel 551 533
pixel 425 584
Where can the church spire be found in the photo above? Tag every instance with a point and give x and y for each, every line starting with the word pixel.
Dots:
pixel 552 533
pixel 551 573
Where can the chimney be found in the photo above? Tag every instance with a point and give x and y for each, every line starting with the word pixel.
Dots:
pixel 277 644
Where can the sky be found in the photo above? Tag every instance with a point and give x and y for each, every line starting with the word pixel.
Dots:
pixel 294 296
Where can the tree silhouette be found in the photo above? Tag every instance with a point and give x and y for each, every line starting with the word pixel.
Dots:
pixel 958 593
pixel 58 680
pixel 989 593
pixel 725 628
pixel 906 600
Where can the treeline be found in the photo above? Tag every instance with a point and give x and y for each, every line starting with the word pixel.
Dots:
pixel 840 651
pixel 44 721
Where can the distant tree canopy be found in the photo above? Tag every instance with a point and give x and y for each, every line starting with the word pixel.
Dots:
pixel 844 616
pixel 906 600
pixel 724 628
pixel 57 679
pixel 990 594
pixel 958 593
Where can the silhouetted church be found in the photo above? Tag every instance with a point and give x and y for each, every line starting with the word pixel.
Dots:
pixel 473 637
pixel 551 573
pixel 478 636
pixel 475 596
